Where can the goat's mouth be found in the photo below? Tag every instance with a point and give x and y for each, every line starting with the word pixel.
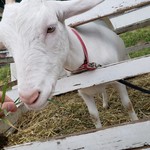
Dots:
pixel 34 101
pixel 39 97
pixel 39 103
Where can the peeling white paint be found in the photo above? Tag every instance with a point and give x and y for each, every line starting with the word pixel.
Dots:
pixel 115 138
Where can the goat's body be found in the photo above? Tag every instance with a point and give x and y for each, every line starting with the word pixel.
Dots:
pixel 103 45
pixel 102 49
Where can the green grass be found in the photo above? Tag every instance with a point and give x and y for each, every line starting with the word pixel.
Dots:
pixel 137 37
pixel 4 74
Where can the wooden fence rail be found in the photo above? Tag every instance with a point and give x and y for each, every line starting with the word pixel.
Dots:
pixel 127 137
pixel 8 60
pixel 113 8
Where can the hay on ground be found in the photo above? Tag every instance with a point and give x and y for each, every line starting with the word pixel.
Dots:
pixel 68 114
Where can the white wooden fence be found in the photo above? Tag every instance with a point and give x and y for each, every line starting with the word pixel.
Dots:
pixel 129 136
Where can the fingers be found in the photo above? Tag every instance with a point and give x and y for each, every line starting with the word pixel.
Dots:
pixel 9 106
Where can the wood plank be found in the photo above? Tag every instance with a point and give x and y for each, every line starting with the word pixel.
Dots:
pixel 103 75
pixel 138 47
pixel 9 84
pixel 6 60
pixel 132 27
pixel 136 15
pixel 128 136
pixel 99 76
pixel 111 8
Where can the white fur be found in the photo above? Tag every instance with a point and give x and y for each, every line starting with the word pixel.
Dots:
pixel 40 56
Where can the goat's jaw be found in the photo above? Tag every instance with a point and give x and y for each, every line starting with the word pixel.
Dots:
pixel 34 106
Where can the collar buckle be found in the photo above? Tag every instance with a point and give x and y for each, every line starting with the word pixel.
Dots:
pixel 85 67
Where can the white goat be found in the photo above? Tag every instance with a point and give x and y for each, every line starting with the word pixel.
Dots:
pixel 41 44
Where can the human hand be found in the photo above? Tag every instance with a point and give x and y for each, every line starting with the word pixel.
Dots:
pixel 8 104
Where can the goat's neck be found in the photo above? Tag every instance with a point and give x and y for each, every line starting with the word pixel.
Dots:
pixel 75 56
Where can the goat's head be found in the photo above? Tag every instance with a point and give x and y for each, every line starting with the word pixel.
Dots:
pixel 35 33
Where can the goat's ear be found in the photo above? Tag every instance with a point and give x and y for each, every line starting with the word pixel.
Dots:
pixel 75 7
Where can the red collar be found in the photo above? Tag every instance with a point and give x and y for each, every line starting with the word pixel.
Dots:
pixel 86 66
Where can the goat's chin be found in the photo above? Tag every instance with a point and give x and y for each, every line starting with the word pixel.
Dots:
pixel 40 103
pixel 36 106
pixel 42 100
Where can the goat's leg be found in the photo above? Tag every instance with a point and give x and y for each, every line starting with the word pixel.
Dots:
pixel 90 102
pixel 125 100
pixel 105 98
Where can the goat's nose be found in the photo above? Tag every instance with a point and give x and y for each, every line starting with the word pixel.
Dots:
pixel 29 97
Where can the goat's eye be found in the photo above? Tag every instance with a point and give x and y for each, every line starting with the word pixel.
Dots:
pixel 51 29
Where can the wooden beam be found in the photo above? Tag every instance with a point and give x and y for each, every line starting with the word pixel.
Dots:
pixel 134 26
pixel 102 75
pixel 129 49
pixel 138 47
pixel 127 136
pixel 9 85
pixel 6 60
pixel 113 8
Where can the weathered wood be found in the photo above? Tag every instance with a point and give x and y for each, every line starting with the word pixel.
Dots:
pixel 6 60
pixel 9 84
pixel 101 75
pixel 134 26
pixel 111 8
pixel 130 17
pixel 127 136
pixel 138 47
